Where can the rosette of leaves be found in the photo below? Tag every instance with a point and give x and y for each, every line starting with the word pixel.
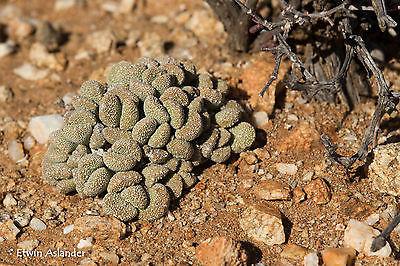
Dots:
pixel 136 139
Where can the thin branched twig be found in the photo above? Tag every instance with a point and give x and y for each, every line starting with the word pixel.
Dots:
pixel 308 82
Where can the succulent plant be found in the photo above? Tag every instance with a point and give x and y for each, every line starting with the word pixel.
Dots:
pixel 137 138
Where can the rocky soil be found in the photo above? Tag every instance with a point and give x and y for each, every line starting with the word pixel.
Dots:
pixel 282 203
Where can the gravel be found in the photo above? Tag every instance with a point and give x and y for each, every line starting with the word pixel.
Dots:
pixel 384 171
pixel 37 224
pixel 311 259
pixel 8 230
pixel 359 235
pixel 9 201
pixel 85 243
pixel 6 48
pixel 6 94
pixel 64 4
pixel 28 244
pixel 260 118
pixel 28 142
pixel 23 218
pixel 42 126
pixel 68 229
pixel 16 151
pixel 286 168
pixel 30 72
pixel 263 224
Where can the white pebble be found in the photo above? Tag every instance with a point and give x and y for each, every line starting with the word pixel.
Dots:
pixel 15 151
pixel 110 7
pixel 85 243
pixel 372 219
pixel 311 259
pixel 28 244
pixel 42 126
pixel 5 94
pixel 6 48
pixel 126 6
pixel 68 229
pixel 308 176
pixel 29 142
pixel 22 219
pixel 9 201
pixel 64 4
pixel 359 235
pixel 159 19
pixel 260 118
pixel 67 98
pixel 30 72
pixel 37 224
pixel 81 55
pixel 286 168
pixel 292 118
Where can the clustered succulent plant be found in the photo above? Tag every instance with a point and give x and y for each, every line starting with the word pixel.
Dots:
pixel 137 138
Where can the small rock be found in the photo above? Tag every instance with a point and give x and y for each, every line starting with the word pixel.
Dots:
pixel 151 44
pixel 49 35
pixel 20 28
pixel 37 224
pixel 64 4
pixel 249 157
pixel 28 245
pixel 204 25
pixel 102 41
pixel 39 55
pixel 99 227
pixel 29 142
pixel 311 259
pixel 384 171
pixel 126 6
pixel 339 256
pixel 308 176
pixel 359 235
pixel 85 243
pixel 68 229
pixel 271 190
pixel 67 98
pixel 263 224
pixel 260 118
pixel 9 201
pixel 372 219
pixel 87 262
pixel 110 7
pixel 30 72
pixel 294 252
pixel 8 230
pixel 221 251
pixel 83 55
pixel 303 138
pixel 133 38
pixel 42 126
pixel 318 191
pixel 298 195
pixel 160 19
pixel 6 48
pixel 286 168
pixel 8 12
pixel 16 151
pixel 292 118
pixel 6 94
pixel 378 54
pixel 23 218
pixel 110 258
